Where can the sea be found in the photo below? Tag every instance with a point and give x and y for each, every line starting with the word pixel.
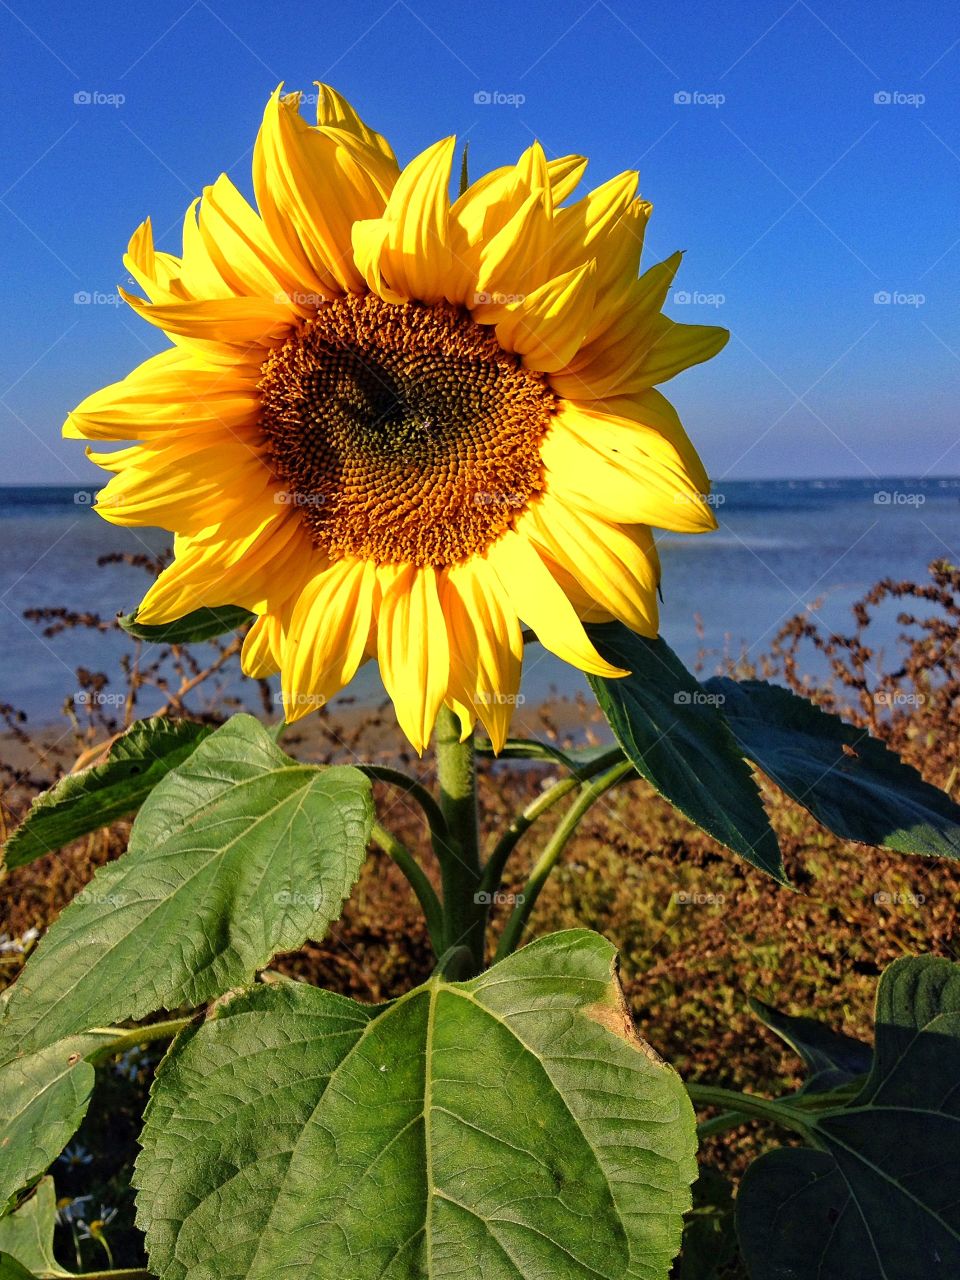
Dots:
pixel 783 547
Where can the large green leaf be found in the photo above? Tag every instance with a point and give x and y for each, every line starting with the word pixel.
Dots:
pixel 202 624
pixel 509 1127
pixel 239 853
pixel 849 781
pixel 95 797
pixel 832 1058
pixel 27 1235
pixel 879 1196
pixel 675 735
pixel 43 1098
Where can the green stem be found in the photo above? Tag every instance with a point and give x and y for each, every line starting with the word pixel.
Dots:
pixel 746 1105
pixel 416 790
pixel 133 1037
pixel 590 792
pixel 419 882
pixel 464 911
pixel 496 863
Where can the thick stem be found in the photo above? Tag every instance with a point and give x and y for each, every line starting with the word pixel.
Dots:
pixel 746 1105
pixel 458 851
pixel 590 792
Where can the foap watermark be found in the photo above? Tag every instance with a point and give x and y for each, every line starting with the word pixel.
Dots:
pixel 294 898
pixel 902 898
pixel 98 698
pixel 697 98
pixel 898 698
pixel 498 899
pixel 698 698
pixel 293 498
pixel 696 298
pixel 97 98
pixel 488 699
pixel 90 897
pixel 96 298
pixel 299 299
pixel 694 898
pixel 897 498
pixel 498 299
pixel 84 497
pixel 897 98
pixel 701 499
pixel 497 98
pixel 497 498
pixel 302 702
pixel 898 298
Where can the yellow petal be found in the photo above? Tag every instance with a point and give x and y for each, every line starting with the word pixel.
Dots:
pixel 254 558
pixel 325 642
pixel 486 646
pixel 405 254
pixel 183 486
pixel 513 261
pixel 311 186
pixel 260 655
pixel 651 408
pixel 240 247
pixel 334 110
pixel 617 567
pixel 621 471
pixel 168 395
pixel 540 602
pixel 547 326
pixel 240 322
pixel 413 648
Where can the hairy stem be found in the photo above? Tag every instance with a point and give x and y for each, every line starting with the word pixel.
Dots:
pixel 590 793
pixel 458 851
pixel 133 1037
pixel 746 1105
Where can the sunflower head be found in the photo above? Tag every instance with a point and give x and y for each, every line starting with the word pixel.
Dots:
pixel 395 425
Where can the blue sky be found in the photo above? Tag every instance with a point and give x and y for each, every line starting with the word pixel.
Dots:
pixel 799 197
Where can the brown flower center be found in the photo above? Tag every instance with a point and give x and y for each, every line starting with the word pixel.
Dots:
pixel 403 433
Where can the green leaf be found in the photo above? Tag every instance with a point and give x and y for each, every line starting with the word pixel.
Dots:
pixel 509 1127
pixel 879 1197
pixel 239 853
pixel 678 740
pixel 202 624
pixel 709 1233
pixel 27 1235
pixel 93 798
pixel 43 1098
pixel 833 1059
pixel 849 781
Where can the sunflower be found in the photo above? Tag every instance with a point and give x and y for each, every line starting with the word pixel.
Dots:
pixel 396 426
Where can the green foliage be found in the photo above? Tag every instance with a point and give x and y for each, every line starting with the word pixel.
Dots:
pixel 877 1194
pixel 679 741
pixel 93 798
pixel 849 781
pixel 239 853
pixel 709 1233
pixel 27 1235
pixel 43 1098
pixel 506 1127
pixel 832 1059
pixel 202 624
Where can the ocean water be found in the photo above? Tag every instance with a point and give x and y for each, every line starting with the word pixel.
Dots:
pixel 782 546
